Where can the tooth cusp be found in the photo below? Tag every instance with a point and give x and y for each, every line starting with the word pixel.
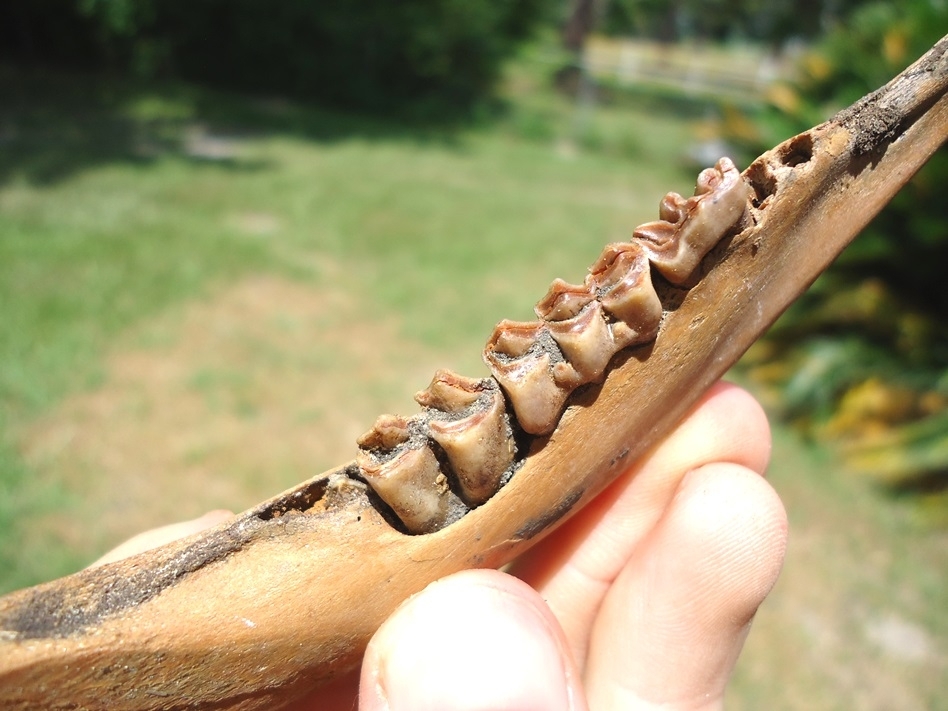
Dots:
pixel 479 447
pixel 450 392
pixel 563 301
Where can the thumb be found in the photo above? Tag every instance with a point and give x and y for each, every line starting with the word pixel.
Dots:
pixel 473 641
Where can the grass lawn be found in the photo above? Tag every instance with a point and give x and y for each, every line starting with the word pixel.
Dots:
pixel 206 298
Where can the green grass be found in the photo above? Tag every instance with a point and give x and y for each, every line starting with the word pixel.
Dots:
pixel 115 206
pixel 122 206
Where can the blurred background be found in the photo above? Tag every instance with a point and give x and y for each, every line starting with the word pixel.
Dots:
pixel 232 233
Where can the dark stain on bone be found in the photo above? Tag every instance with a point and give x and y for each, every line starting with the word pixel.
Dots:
pixel 68 607
pixel 879 119
pixel 299 499
pixel 619 457
pixel 534 526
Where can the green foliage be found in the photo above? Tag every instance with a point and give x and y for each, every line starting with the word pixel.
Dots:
pixel 426 57
pixel 773 21
pixel 889 372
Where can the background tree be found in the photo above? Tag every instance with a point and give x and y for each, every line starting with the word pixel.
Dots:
pixel 414 56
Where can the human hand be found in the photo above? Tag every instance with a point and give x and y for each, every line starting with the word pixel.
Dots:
pixel 642 600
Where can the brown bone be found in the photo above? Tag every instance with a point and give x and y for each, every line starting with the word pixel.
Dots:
pixel 258 611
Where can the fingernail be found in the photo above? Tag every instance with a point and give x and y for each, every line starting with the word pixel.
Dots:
pixel 461 645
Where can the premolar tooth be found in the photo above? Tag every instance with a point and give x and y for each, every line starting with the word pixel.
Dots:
pixel 622 277
pixel 521 357
pixel 468 419
pixel 690 228
pixel 586 341
pixel 400 467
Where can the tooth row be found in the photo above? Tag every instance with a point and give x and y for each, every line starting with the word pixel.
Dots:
pixel 431 468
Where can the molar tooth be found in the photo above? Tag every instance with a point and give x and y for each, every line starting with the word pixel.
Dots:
pixel 399 466
pixel 623 279
pixel 690 228
pixel 478 445
pixel 521 357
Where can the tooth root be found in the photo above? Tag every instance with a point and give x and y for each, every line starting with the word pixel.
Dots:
pixel 479 447
pixel 676 246
pixel 623 278
pixel 587 342
pixel 522 364
pixel 408 478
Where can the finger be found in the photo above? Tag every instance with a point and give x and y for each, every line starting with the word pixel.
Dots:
pixel 671 627
pixel 575 566
pixel 476 640
pixel 165 534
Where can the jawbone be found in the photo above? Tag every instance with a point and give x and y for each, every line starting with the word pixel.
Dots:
pixel 261 610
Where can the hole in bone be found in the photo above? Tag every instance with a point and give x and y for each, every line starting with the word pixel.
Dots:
pixel 300 499
pixel 762 181
pixel 797 151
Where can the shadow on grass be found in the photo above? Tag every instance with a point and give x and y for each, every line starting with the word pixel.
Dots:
pixel 53 124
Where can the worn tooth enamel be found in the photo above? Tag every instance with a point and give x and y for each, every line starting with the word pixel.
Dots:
pixel 396 462
pixel 623 279
pixel 479 445
pixel 563 301
pixel 450 392
pixel 521 357
pixel 469 421
pixel 688 229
